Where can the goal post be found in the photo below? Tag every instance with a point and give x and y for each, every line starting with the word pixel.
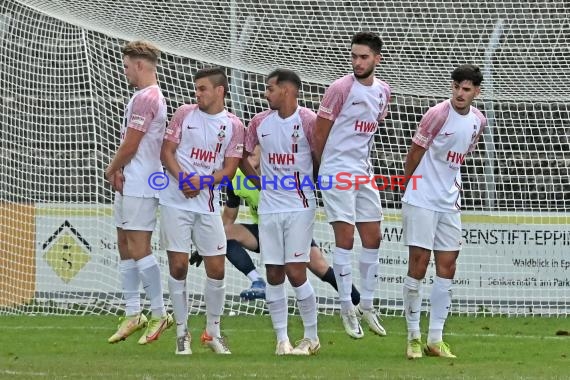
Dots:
pixel 62 95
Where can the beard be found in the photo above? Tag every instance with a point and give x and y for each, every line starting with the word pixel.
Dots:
pixel 365 75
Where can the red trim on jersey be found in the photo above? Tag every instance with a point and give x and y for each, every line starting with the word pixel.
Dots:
pixel 457 205
pixel 211 199
pixel 219 144
pixel 300 191
pixel 295 146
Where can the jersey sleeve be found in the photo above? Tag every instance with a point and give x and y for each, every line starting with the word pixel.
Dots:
pixel 430 125
pixel 174 128
pixel 144 108
pixel 308 120
pixel 483 121
pixel 334 98
pixel 251 140
pixel 235 147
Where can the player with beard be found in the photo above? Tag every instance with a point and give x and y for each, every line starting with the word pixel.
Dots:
pixel 347 121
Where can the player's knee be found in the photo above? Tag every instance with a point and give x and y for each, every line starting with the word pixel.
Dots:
pixel 372 243
pixel 229 229
pixel 297 278
pixel 179 271
pixel 417 267
pixel 371 240
pixel 215 266
pixel 275 274
pixel 345 241
pixel 417 273
pixel 446 270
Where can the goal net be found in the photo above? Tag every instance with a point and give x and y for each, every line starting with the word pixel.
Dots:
pixel 62 94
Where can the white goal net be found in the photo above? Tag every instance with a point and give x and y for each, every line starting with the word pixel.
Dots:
pixel 62 94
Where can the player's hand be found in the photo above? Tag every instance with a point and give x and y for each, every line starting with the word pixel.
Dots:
pixel 191 191
pixel 109 176
pixel 116 179
pixel 195 258
pixel 119 182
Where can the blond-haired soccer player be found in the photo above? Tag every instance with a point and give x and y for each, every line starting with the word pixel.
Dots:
pixel 348 118
pixel 287 205
pixel 136 203
pixel 431 212
pixel 202 147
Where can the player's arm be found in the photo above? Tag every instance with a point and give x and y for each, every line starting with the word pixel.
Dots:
pixel 231 209
pixel 143 111
pixel 228 171
pixel 329 109
pixel 413 159
pixel 429 127
pixel 168 158
pixel 320 136
pixel 170 146
pixel 249 171
pixel 251 143
pixel 126 151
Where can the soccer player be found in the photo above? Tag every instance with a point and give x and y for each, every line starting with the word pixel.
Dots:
pixel 347 120
pixel 136 203
pixel 202 147
pixel 242 236
pixel 286 217
pixel 431 212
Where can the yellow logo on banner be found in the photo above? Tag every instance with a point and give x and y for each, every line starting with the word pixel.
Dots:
pixel 66 255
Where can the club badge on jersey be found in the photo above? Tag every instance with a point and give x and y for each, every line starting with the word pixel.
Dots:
pixel 222 133
pixel 474 134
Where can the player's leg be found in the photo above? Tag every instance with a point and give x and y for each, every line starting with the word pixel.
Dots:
pixel 243 234
pixel 210 239
pixel 368 265
pixel 140 215
pixel 273 257
pixel 368 218
pixel 133 320
pixel 446 250
pixel 418 260
pixel 176 226
pixel 298 232
pixel 241 237
pixel 319 266
pixel 342 265
pixel 340 209
pixel 418 234
pixel 178 266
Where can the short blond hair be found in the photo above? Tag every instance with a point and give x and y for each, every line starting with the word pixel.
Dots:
pixel 141 49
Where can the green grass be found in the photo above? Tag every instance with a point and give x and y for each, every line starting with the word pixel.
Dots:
pixel 487 348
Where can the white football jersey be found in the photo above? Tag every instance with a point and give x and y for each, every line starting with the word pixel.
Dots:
pixel 356 110
pixel 448 136
pixel 286 159
pixel 204 141
pixel 145 112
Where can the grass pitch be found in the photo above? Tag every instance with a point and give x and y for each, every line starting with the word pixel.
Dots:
pixel 487 348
